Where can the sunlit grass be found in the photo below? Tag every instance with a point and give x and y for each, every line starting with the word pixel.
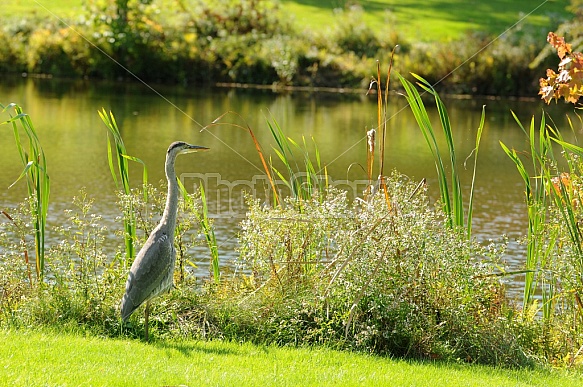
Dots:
pixel 41 8
pixel 51 358
pixel 430 20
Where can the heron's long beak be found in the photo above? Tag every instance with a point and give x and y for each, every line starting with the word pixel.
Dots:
pixel 194 148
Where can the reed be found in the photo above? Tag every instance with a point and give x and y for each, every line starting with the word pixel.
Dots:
pixel 211 240
pixel 553 201
pixel 382 121
pixel 566 193
pixel 536 202
pixel 452 198
pixel 564 187
pixel 123 183
pixel 207 228
pixel 36 176
pixel 304 176
pixel 258 148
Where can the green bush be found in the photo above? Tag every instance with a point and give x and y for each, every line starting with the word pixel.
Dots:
pixel 476 65
pixel 352 34
pixel 60 52
pixel 378 276
pixel 85 276
pixel 17 272
pixel 11 59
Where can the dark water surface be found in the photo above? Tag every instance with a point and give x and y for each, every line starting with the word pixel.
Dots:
pixel 74 139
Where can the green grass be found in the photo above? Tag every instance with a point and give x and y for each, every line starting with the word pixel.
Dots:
pixel 40 7
pixel 31 358
pixel 426 20
pixel 430 20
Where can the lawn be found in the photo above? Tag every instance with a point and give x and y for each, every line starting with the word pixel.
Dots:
pixel 40 7
pixel 437 20
pixel 418 19
pixel 30 358
pixel 429 20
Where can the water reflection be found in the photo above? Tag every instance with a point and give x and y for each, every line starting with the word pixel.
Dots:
pixel 74 139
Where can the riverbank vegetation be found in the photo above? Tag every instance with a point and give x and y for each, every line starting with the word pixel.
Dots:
pixel 255 42
pixel 389 272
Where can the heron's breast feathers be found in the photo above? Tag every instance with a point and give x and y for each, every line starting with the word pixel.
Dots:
pixel 152 271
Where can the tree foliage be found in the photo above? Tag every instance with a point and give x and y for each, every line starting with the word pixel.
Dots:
pixel 567 83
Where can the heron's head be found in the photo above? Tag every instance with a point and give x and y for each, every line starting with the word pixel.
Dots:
pixel 179 147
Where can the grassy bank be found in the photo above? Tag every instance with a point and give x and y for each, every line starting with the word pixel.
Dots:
pixel 56 358
pixel 307 44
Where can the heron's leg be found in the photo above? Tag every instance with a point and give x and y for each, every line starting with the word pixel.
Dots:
pixel 146 315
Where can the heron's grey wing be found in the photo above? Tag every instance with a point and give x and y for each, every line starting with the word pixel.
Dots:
pixel 151 273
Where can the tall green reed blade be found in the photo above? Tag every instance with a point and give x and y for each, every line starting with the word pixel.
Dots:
pixel 454 217
pixel 37 178
pixel 453 203
pixel 313 183
pixel 476 150
pixel 129 221
pixel 123 183
pixel 536 201
pixel 303 184
pixel 565 192
pixel 566 199
pixel 458 204
pixel 533 225
pixel 207 228
pixel 285 154
pixel 541 152
pixel 211 240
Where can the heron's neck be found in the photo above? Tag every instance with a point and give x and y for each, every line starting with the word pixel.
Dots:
pixel 169 216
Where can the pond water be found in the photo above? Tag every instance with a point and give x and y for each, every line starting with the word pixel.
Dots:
pixel 74 139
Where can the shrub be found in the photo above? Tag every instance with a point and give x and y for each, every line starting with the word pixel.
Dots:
pixel 84 276
pixel 17 272
pixel 352 34
pixel 477 65
pixel 385 277
pixel 10 58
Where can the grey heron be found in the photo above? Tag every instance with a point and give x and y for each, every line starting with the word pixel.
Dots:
pixel 152 272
